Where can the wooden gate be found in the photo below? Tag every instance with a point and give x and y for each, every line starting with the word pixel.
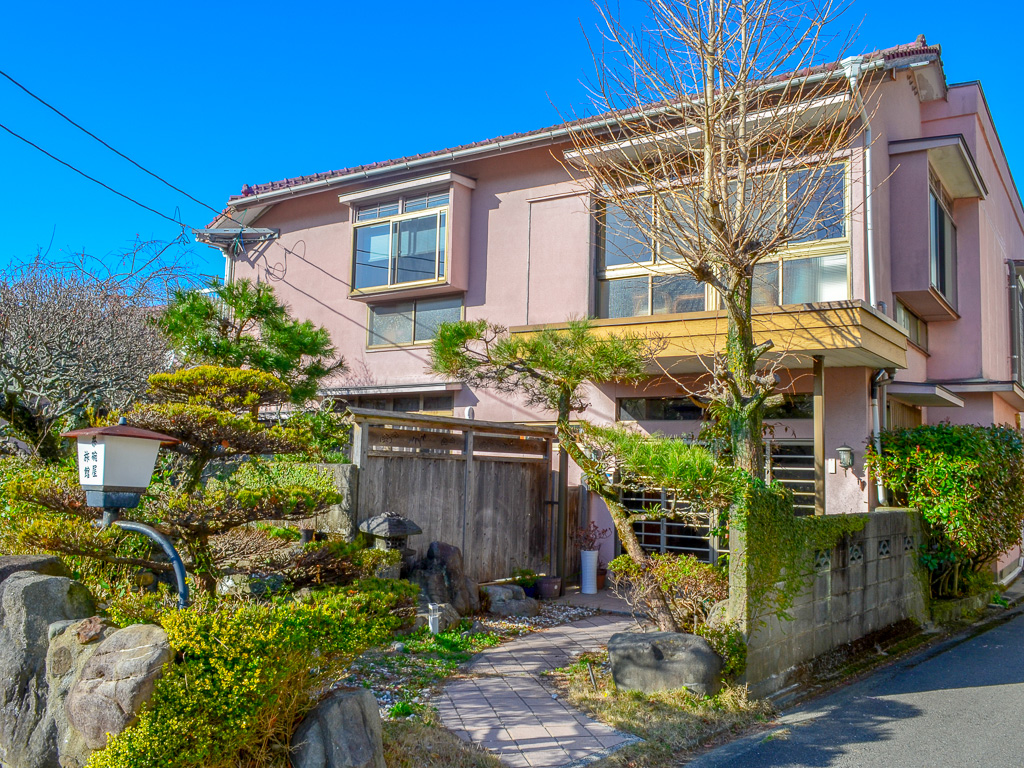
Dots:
pixel 481 486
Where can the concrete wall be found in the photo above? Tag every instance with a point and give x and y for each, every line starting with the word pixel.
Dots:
pixel 857 589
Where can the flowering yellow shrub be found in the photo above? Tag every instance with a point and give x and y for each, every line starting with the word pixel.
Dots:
pixel 246 675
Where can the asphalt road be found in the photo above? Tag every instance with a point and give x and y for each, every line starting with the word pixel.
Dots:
pixel 960 705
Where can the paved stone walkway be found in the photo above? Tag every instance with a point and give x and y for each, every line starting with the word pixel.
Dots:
pixel 506 707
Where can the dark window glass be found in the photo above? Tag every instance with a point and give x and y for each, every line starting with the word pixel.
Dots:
pixel 373 246
pixel 817 203
pixel 414 247
pixel 765 289
pixel 627 297
pixel 791 407
pixel 621 242
pixel 434 403
pixel 659 409
pixel 406 404
pixel 943 251
pixel 430 315
pixel 677 293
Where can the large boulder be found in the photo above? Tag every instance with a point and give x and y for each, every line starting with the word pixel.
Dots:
pixel 510 600
pixel 115 682
pixel 442 578
pixel 45 565
pixel 660 661
pixel 29 603
pixel 342 731
pixel 72 644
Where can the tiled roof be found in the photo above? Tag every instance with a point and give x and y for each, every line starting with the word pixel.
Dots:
pixel 919 47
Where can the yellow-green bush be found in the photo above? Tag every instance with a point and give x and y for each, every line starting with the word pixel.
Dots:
pixel 247 674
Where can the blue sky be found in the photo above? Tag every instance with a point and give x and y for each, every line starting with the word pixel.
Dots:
pixel 214 99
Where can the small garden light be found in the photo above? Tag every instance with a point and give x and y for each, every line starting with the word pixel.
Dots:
pixel 115 466
pixel 845 456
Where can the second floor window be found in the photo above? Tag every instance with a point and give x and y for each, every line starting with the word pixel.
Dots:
pixel 401 241
pixel 943 245
pixel 917 329
pixel 635 279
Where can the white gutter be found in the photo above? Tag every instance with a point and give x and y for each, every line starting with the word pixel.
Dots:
pixel 855 67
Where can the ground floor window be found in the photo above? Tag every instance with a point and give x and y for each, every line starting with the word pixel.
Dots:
pixel 441 404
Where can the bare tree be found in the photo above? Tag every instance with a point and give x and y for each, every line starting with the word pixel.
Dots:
pixel 729 125
pixel 77 334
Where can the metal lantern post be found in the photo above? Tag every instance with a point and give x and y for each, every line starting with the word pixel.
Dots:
pixel 115 466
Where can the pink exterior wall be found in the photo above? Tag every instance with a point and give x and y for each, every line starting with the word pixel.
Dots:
pixel 529 235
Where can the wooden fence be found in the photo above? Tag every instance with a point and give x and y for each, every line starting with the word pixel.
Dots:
pixel 483 486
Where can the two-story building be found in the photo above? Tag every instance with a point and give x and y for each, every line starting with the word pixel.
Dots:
pixel 906 306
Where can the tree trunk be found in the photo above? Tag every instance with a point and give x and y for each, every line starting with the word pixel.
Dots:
pixel 660 613
pixel 746 394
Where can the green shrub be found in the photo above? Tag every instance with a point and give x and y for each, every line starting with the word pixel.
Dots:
pixel 968 483
pixel 691 588
pixel 248 673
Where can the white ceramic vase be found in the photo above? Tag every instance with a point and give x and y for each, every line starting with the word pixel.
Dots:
pixel 588 574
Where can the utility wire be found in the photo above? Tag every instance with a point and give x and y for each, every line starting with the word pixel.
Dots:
pixel 115 151
pixel 91 178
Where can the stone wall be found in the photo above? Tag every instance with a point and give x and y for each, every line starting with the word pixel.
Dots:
pixel 869 581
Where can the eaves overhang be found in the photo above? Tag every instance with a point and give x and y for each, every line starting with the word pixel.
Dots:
pixel 952 160
pixel 923 393
pixel 1010 391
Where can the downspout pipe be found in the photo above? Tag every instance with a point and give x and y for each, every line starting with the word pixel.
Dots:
pixel 854 68
pixel 879 380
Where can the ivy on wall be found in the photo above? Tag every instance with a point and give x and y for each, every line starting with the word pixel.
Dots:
pixel 780 546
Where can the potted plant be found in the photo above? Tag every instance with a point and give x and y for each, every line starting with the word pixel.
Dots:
pixel 549 587
pixel 588 539
pixel 602 574
pixel 527 579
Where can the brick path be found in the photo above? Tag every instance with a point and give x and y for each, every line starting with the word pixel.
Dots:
pixel 507 708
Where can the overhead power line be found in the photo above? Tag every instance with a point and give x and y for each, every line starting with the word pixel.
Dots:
pixel 105 144
pixel 116 152
pixel 91 178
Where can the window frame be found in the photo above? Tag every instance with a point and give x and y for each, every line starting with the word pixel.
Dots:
pixel 916 327
pixel 419 300
pixel 442 266
pixel 939 201
pixel 658 267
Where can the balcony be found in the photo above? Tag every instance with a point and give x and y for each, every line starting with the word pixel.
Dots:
pixel 846 333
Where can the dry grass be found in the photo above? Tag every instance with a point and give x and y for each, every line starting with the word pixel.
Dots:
pixel 670 722
pixel 416 744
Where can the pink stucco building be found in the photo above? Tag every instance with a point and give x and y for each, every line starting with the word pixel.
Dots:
pixel 912 296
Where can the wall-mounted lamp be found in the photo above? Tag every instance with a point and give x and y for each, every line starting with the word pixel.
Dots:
pixel 845 456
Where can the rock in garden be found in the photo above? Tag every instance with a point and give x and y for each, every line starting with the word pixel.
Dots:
pixel 510 600
pixel 29 603
pixel 251 586
pixel 116 681
pixel 659 661
pixel 442 578
pixel 65 659
pixel 342 731
pixel 45 565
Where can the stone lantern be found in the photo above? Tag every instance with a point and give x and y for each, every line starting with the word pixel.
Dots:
pixel 391 531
